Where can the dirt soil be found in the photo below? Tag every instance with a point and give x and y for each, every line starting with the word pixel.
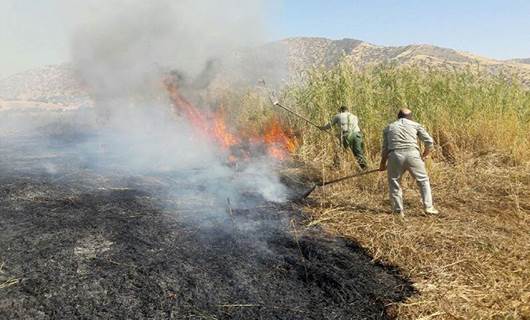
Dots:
pixel 81 243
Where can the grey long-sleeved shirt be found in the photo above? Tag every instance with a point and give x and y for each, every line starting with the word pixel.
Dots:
pixel 404 134
pixel 346 121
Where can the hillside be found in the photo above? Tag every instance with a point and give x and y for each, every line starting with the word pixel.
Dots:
pixel 57 85
pixel 307 52
pixel 52 86
pixel 524 61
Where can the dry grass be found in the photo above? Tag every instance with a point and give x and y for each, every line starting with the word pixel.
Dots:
pixel 472 262
pixel 4 281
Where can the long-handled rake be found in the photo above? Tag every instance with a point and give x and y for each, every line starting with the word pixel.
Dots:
pixel 321 184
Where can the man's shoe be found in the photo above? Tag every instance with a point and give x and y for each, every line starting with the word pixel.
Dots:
pixel 431 210
pixel 399 214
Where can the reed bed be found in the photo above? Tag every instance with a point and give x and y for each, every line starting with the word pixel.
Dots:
pixel 472 261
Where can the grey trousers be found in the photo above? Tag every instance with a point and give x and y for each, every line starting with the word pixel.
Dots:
pixel 409 160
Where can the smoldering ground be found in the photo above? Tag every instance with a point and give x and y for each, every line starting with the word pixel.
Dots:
pixel 77 243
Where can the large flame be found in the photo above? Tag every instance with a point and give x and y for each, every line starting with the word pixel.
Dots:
pixel 220 132
pixel 273 139
pixel 280 144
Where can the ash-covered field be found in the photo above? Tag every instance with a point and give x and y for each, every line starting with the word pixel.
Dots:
pixel 84 242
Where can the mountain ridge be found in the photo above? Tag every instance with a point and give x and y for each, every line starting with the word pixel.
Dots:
pixel 59 85
pixel 327 52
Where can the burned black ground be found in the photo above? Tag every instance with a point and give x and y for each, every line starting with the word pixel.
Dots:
pixel 79 243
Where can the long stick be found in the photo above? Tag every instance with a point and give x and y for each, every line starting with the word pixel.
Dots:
pixel 347 177
pixel 275 102
pixel 321 184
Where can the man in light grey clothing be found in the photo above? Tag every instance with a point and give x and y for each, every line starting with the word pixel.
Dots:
pixel 401 150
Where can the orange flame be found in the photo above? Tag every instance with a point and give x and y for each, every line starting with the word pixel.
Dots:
pixel 183 106
pixel 277 142
pixel 220 132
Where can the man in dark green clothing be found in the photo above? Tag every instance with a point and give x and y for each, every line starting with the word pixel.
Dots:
pixel 350 133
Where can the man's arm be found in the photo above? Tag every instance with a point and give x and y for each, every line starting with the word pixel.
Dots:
pixel 427 140
pixel 328 126
pixel 384 159
pixel 384 152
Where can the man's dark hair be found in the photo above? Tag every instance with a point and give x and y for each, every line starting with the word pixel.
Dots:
pixel 404 113
pixel 343 108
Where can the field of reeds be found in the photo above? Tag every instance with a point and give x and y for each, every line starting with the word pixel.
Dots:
pixel 472 261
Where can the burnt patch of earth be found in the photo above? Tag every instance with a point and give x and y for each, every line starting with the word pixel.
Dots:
pixel 80 244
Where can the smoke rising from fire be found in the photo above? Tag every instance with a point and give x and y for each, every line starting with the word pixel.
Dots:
pixel 122 50
pixel 122 44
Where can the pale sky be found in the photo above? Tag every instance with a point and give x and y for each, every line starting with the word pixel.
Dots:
pixel 35 32
pixel 32 34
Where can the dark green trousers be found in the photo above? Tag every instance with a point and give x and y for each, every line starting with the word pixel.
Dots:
pixel 354 141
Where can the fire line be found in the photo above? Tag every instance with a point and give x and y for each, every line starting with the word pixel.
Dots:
pixel 273 139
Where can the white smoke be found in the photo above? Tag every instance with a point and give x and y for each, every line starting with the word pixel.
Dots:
pixel 122 43
pixel 120 50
